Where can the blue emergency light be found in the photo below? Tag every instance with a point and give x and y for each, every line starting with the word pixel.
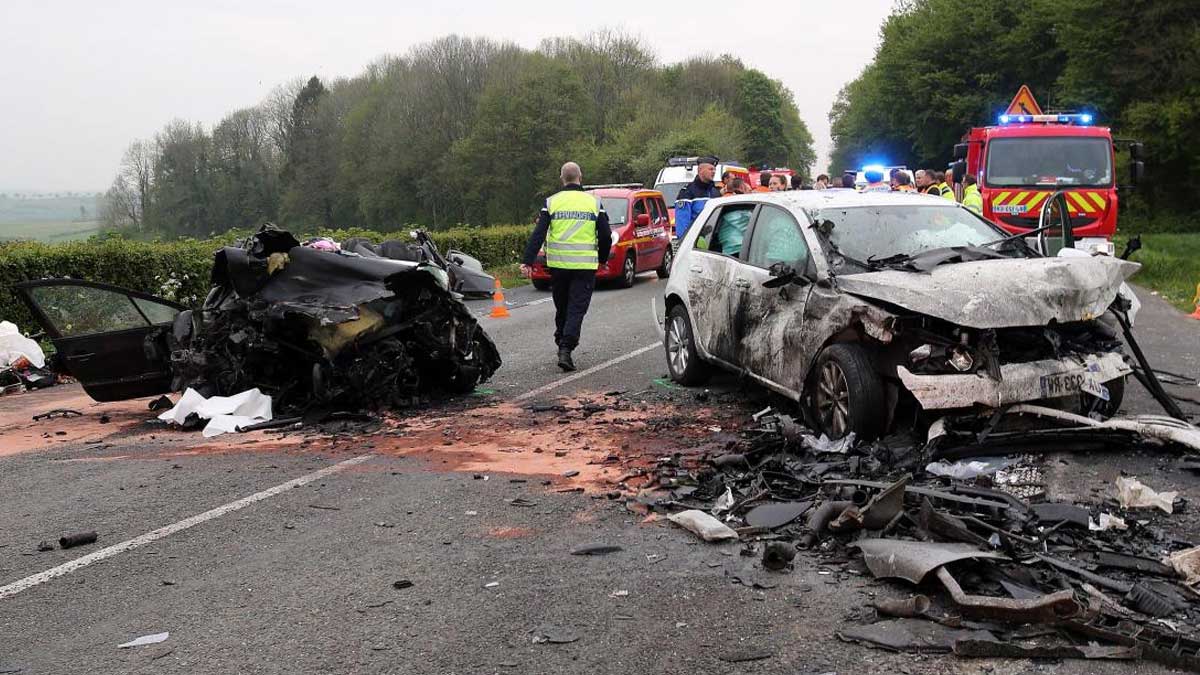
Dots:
pixel 1082 119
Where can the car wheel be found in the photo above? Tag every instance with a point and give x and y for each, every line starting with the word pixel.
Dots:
pixel 847 394
pixel 541 284
pixel 664 270
pixel 683 363
pixel 628 271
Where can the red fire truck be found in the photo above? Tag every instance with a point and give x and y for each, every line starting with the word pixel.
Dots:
pixel 1027 157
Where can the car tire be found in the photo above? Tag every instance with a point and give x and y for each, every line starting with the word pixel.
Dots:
pixel 664 269
pixel 628 271
pixel 683 362
pixel 847 393
pixel 541 284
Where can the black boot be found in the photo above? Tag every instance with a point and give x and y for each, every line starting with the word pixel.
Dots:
pixel 564 359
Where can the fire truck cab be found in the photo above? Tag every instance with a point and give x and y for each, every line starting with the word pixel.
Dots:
pixel 1021 162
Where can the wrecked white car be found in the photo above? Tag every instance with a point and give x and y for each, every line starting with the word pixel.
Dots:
pixel 869 309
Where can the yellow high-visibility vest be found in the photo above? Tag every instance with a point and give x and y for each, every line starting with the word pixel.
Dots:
pixel 571 239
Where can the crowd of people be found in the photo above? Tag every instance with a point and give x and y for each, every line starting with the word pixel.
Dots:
pixel 924 181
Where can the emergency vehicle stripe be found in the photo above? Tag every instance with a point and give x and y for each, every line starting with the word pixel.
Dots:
pixel 1081 202
pixel 1016 201
pixel 1097 198
pixel 1001 197
pixel 1036 200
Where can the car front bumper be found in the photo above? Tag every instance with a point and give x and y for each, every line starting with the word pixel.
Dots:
pixel 1019 382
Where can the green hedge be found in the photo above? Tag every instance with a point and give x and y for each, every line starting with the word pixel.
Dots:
pixel 179 270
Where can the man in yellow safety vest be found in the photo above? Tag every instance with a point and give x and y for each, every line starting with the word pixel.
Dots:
pixel 574 229
pixel 971 197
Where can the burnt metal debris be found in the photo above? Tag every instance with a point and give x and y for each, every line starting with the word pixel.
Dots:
pixel 365 328
pixel 985 572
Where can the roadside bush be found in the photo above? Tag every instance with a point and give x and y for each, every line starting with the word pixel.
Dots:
pixel 179 270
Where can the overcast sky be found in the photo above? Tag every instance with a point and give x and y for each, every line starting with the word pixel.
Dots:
pixel 80 80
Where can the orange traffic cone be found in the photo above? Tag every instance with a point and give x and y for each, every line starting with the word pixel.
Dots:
pixel 499 307
pixel 1196 314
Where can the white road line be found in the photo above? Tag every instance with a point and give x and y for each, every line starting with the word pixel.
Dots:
pixel 110 551
pixel 584 373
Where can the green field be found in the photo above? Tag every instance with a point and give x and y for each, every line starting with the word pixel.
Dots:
pixel 49 231
pixel 1170 265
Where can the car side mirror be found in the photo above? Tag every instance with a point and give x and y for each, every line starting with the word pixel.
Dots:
pixel 642 220
pixel 960 152
pixel 781 273
pixel 1137 151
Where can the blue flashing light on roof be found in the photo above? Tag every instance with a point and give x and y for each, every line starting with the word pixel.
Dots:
pixel 1004 119
pixel 873 167
pixel 1085 118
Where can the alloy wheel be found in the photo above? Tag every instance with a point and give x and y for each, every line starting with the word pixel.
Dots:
pixel 833 400
pixel 677 345
pixel 630 270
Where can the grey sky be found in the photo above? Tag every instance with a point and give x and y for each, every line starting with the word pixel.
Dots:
pixel 83 79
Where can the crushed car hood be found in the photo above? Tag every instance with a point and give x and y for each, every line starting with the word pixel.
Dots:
pixel 1000 293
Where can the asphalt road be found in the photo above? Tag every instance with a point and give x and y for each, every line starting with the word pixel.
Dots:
pixel 301 579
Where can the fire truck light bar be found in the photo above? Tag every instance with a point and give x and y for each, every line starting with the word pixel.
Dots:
pixel 1082 119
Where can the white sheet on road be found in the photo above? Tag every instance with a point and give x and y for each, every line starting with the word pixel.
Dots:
pixel 13 346
pixel 224 413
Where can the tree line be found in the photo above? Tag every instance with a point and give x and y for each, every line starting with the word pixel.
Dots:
pixel 456 131
pixel 946 65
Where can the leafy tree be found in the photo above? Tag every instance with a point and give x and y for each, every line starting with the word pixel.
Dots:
pixel 309 171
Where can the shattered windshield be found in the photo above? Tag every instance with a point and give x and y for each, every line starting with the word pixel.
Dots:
pixel 1016 162
pixel 872 233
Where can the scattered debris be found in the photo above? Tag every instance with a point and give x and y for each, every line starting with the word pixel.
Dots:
pixel 163 402
pixel 595 549
pixel 44 546
pixel 963 511
pixel 77 539
pixel 1187 564
pixel 777 555
pixel 145 640
pixel 1133 494
pixel 704 525
pixel 402 584
pixel 57 412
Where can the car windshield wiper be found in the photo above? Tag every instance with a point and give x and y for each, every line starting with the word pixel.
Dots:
pixel 923 261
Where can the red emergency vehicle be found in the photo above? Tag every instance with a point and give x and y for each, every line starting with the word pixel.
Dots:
pixel 1028 156
pixel 640 234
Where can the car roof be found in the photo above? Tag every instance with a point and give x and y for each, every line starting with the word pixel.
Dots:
pixel 838 198
pixel 624 193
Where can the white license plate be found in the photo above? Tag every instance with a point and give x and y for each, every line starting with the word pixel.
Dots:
pixel 1065 384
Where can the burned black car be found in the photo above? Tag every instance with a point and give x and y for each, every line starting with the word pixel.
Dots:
pixel 310 327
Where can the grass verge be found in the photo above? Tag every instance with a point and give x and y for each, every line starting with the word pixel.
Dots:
pixel 509 275
pixel 1170 265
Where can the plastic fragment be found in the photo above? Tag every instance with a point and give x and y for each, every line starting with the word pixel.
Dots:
pixel 1133 494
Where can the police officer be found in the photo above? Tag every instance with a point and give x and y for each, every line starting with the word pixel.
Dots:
pixel 695 195
pixel 574 228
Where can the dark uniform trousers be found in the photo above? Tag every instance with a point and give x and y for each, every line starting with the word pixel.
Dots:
pixel 572 291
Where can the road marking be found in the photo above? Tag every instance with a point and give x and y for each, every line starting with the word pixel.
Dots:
pixel 584 373
pixel 110 551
